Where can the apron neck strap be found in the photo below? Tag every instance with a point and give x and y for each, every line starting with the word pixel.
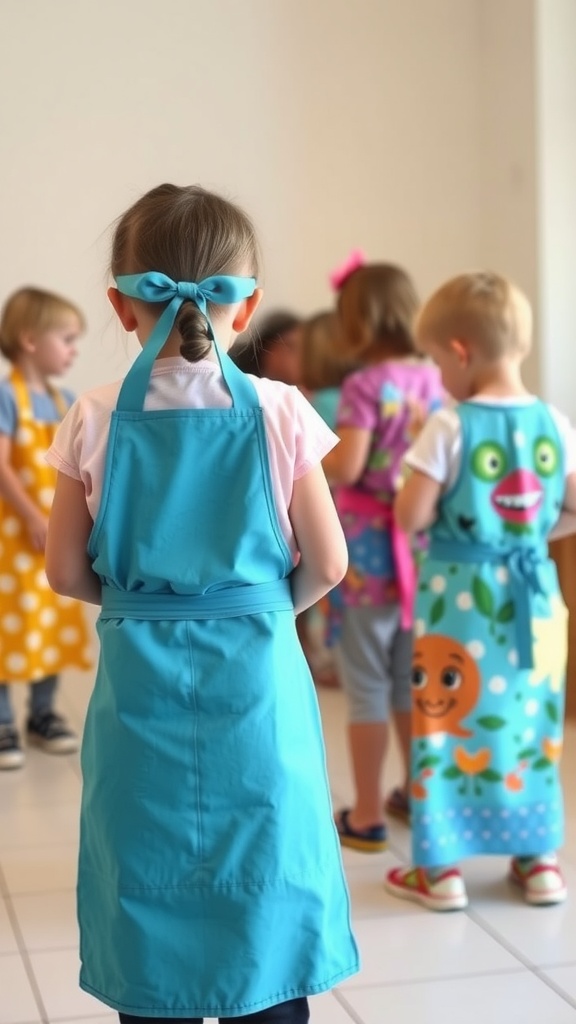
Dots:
pixel 24 401
pixel 155 287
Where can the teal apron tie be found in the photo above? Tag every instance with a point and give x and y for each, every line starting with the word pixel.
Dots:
pixel 224 603
pixel 526 579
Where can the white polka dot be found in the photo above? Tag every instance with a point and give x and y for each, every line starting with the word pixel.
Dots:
pixel 46 496
pixel 7 584
pixel 450 812
pixel 419 627
pixel 29 601
pixel 523 812
pixel 41 580
pixel 69 635
pixel 12 623
pixel 502 574
pixel 26 476
pixel 497 684
pixel 23 562
pixel 38 673
pixel 532 708
pixel 476 649
pixel 15 662
pixel 504 813
pixel 33 640
pixel 24 436
pixel 540 808
pixel 38 458
pixel 468 834
pixel 524 833
pixel 47 617
pixel 519 438
pixel 541 831
pixel 50 655
pixel 486 812
pixel 438 584
pixel 467 812
pixel 464 601
pixel 437 740
pixel 425 819
pixel 11 527
pixel 442 841
pixel 505 836
pixel 486 834
pixel 528 735
pixel 513 657
pixel 425 844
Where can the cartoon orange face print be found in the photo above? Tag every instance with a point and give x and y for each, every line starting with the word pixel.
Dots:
pixel 445 686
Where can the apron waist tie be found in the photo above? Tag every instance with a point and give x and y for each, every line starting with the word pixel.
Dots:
pixel 228 602
pixel 526 579
pixel 353 501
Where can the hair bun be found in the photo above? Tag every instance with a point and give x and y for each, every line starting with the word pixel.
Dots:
pixel 194 330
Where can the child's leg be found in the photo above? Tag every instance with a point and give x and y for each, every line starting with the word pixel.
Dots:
pixel 11 754
pixel 295 1011
pixel 126 1018
pixel 398 802
pixel 45 728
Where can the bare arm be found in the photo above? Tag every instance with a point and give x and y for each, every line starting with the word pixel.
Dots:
pixel 13 492
pixel 68 566
pixel 346 462
pixel 567 521
pixel 320 540
pixel 415 507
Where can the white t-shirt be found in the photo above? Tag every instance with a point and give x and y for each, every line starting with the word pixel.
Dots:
pixel 437 449
pixel 298 439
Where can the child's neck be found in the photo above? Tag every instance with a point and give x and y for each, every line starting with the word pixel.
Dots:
pixel 35 379
pixel 498 380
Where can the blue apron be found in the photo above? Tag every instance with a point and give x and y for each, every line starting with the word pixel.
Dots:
pixel 210 877
pixel 490 649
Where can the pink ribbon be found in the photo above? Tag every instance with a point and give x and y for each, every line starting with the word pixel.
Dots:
pixel 353 261
pixel 350 500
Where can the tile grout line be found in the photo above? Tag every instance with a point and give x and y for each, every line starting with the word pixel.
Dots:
pixel 27 963
pixel 343 1002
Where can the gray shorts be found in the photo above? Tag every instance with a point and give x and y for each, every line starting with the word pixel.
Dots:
pixel 375 659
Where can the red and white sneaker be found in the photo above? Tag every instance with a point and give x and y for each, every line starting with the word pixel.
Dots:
pixel 442 892
pixel 540 879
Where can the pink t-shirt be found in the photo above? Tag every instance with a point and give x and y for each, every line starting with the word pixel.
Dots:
pixel 298 439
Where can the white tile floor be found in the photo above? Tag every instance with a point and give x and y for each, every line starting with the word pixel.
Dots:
pixel 499 962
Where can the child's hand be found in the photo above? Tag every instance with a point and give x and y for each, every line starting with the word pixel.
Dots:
pixel 418 416
pixel 37 526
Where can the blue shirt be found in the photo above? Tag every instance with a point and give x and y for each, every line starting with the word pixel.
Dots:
pixel 43 407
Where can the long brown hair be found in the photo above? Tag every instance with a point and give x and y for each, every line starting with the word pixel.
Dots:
pixel 377 305
pixel 188 234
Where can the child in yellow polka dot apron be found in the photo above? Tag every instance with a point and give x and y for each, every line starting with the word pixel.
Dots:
pixel 40 633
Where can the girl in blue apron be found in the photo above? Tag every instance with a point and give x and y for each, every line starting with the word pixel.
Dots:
pixel 490 476
pixel 210 881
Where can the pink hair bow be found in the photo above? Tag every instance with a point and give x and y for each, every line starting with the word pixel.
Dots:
pixel 341 274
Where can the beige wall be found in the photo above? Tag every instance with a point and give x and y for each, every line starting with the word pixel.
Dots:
pixel 406 127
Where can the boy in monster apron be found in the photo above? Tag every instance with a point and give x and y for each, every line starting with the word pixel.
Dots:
pixel 490 477
pixel 192 505
pixel 41 633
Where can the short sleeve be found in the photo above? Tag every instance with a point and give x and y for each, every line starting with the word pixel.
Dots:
pixel 314 439
pixel 8 413
pixel 437 448
pixel 64 452
pixel 359 403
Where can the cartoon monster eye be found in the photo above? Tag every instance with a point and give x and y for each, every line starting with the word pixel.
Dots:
pixel 545 456
pixel 451 678
pixel 419 678
pixel 489 461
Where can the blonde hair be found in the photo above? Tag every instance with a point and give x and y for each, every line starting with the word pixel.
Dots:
pixel 482 308
pixel 323 364
pixel 376 306
pixel 188 234
pixel 32 309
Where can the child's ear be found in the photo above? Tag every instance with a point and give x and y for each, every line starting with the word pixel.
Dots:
pixel 123 308
pixel 246 311
pixel 461 351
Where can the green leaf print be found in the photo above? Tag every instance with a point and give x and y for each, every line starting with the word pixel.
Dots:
pixel 430 761
pixel 437 610
pixel 491 722
pixel 506 612
pixel 541 764
pixel 453 772
pixel 552 711
pixel 483 597
pixel 523 755
pixel 489 775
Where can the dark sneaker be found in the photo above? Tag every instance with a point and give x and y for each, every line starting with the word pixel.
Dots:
pixel 11 753
pixel 50 732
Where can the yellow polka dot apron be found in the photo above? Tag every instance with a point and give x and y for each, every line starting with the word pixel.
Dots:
pixel 41 633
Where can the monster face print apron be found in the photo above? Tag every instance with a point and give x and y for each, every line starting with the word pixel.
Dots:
pixel 41 632
pixel 490 652
pixel 210 880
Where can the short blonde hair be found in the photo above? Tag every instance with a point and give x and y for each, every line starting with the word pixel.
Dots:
pixel 32 309
pixel 482 308
pixel 323 364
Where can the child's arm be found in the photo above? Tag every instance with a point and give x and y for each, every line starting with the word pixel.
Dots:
pixel 566 524
pixel 416 503
pixel 68 567
pixel 15 495
pixel 346 462
pixel 323 553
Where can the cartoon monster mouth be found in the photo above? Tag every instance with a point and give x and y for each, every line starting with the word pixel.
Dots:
pixel 518 497
pixel 436 709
